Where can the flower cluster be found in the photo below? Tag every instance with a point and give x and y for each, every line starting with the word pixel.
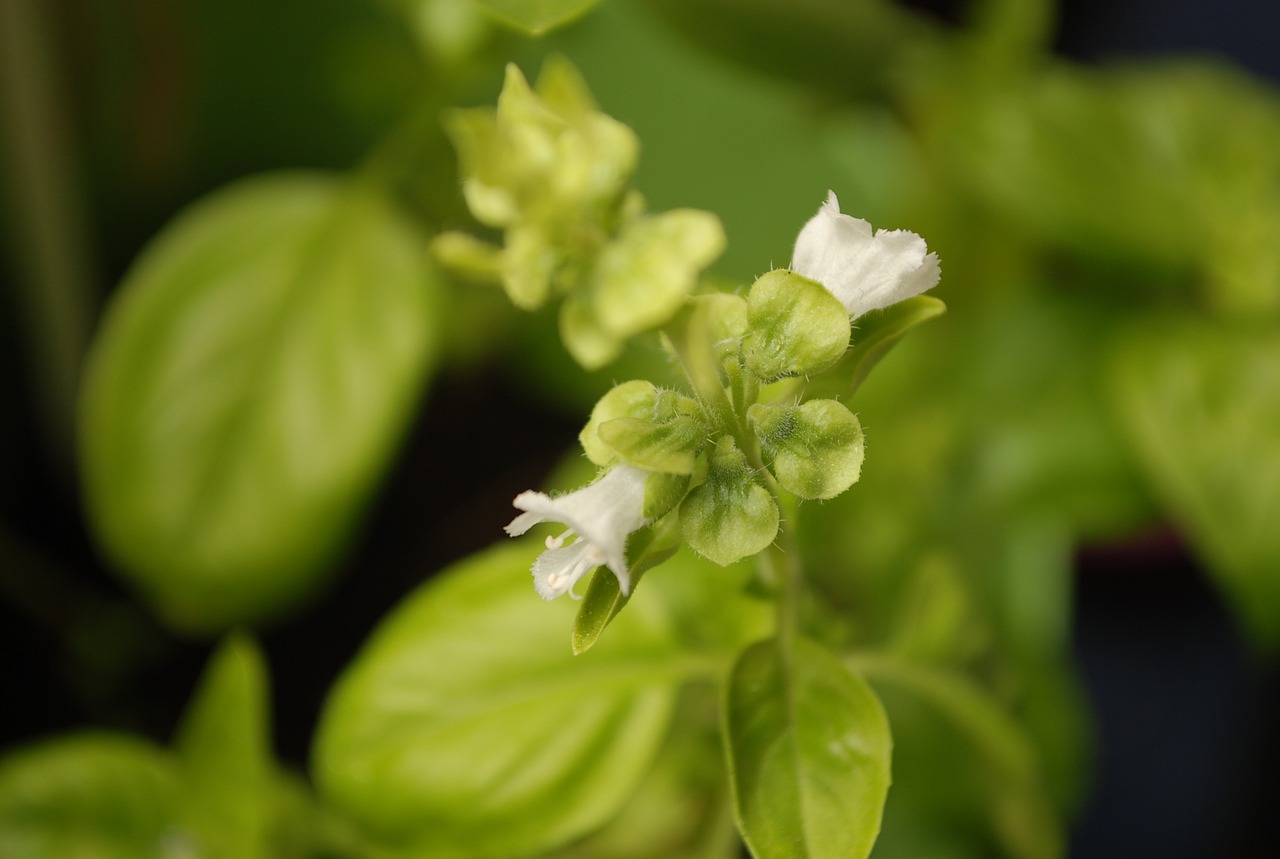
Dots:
pixel 553 173
pixel 717 458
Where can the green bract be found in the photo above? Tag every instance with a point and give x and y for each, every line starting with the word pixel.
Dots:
pixel 729 516
pixel 553 173
pixel 797 328
pixel 816 448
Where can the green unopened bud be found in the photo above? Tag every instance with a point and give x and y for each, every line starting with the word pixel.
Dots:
pixel 639 281
pixel 729 516
pixel 816 448
pixel 528 263
pixel 796 327
pixel 464 255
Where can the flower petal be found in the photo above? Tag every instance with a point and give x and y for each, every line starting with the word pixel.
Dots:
pixel 866 270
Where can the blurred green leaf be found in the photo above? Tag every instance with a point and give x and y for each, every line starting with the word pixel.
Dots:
pixel 877 332
pixel 105 796
pixel 1201 406
pixel 843 47
pixel 536 17
pixel 466 728
pixel 682 808
pixel 1019 807
pixel 808 747
pixel 223 745
pixel 1124 163
pixel 246 389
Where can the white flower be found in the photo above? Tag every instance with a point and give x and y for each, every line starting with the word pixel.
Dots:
pixel 600 516
pixel 865 271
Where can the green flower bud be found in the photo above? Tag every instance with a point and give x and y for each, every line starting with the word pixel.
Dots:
pixel 464 255
pixel 816 448
pixel 796 327
pixel 729 516
pixel 639 281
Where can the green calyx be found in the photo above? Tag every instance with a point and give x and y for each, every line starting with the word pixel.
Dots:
pixel 636 423
pixel 815 449
pixel 795 327
pixel 730 515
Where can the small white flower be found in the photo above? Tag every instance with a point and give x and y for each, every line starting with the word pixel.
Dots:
pixel 865 271
pixel 599 516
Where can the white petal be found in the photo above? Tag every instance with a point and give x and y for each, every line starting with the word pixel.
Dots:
pixel 603 514
pixel 556 571
pixel 865 270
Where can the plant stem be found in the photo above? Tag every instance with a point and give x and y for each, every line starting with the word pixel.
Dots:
pixel 49 236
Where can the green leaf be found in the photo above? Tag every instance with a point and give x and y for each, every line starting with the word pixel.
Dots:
pixel 465 728
pixel 808 747
pixel 878 331
pixel 729 516
pixel 1200 408
pixel 94 795
pixel 248 385
pixel 816 447
pixel 223 744
pixel 797 328
pixel 1021 810
pixel 537 17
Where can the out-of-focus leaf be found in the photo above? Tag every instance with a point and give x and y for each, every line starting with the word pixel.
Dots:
pixel 1018 805
pixel 467 729
pixel 536 17
pixel 93 795
pixel 682 808
pixel 1127 163
pixel 1201 406
pixel 844 47
pixel 808 747
pixel 224 748
pixel 247 387
pixel 877 332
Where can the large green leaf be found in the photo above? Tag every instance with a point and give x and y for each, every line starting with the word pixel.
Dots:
pixel 466 728
pixel 246 389
pixel 808 747
pixel 536 17
pixel 90 795
pixel 1201 405
pixel 224 747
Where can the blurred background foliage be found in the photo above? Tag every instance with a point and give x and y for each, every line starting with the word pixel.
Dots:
pixel 289 418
